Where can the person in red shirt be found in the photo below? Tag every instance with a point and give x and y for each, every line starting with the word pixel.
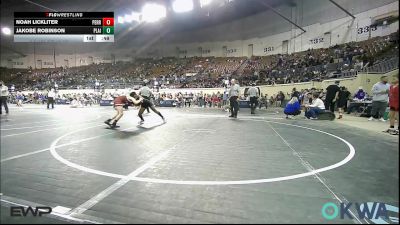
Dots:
pixel 215 100
pixel 394 105
pixel 119 103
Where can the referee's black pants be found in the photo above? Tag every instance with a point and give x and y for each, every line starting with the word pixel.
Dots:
pixel 330 105
pixel 148 98
pixel 234 105
pixel 3 101
pixel 253 104
pixel 50 100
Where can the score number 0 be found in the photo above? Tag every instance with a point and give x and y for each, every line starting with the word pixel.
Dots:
pixel 108 21
pixel 108 25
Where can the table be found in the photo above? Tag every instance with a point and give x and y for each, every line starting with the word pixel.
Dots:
pixel 363 105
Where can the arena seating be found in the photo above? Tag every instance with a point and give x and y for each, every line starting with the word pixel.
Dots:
pixel 206 72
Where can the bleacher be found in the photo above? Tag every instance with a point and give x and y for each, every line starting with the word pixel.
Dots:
pixel 373 55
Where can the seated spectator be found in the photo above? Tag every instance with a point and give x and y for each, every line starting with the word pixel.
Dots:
pixel 263 101
pixel 316 108
pixel 279 99
pixel 295 93
pixel 272 100
pixel 215 101
pixel 76 104
pixel 360 95
pixel 292 108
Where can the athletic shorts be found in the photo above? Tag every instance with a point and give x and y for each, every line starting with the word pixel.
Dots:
pixel 146 103
pixel 120 101
pixel 396 109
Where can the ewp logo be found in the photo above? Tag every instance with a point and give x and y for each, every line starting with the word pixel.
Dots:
pixel 378 213
pixel 35 211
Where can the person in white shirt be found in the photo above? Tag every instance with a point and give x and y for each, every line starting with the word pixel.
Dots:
pixel 253 94
pixel 233 98
pixel 76 103
pixel 3 97
pixel 380 99
pixel 145 92
pixel 50 98
pixel 317 106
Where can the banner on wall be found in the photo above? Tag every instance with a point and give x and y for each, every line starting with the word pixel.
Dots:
pixel 105 102
pixel 168 103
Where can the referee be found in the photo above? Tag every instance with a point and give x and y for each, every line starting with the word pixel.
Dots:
pixel 51 96
pixel 233 98
pixel 145 92
pixel 253 93
pixel 3 97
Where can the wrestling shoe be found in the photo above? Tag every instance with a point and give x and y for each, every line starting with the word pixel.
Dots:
pixel 387 131
pixel 394 132
pixel 108 122
pixel 114 125
pixel 391 131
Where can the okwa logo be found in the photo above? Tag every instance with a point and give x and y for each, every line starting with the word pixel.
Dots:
pixel 378 213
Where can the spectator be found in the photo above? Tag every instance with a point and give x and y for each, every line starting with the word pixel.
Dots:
pixel 295 93
pixel 225 98
pixel 188 100
pixel 19 99
pixel 201 99
pixel 272 100
pixel 215 100
pixel 306 97
pixel 280 97
pixel 292 108
pixel 263 100
pixel 76 104
pixel 380 97
pixel 315 108
pixel 360 95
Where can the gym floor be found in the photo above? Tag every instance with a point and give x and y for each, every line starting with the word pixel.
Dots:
pixel 199 167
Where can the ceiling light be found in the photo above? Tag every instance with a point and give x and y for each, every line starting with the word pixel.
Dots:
pixel 121 19
pixel 204 3
pixel 153 12
pixel 181 6
pixel 6 30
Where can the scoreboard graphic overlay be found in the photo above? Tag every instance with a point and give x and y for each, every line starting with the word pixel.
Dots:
pixel 63 26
